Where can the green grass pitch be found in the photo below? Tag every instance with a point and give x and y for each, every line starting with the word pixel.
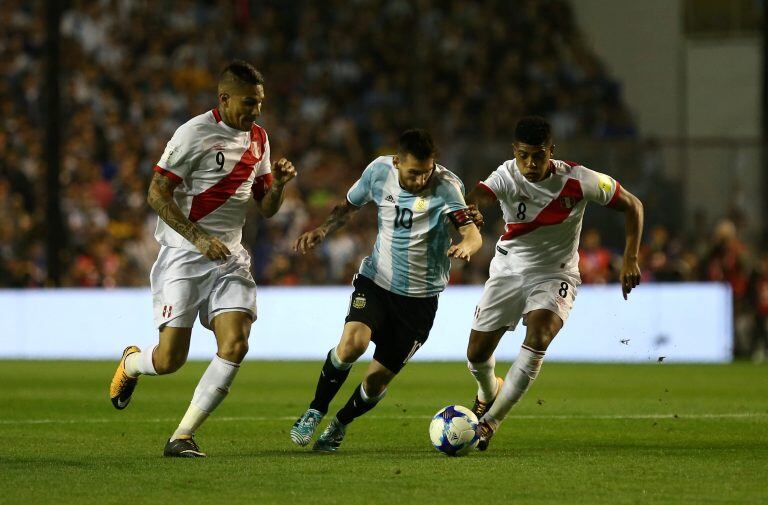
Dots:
pixel 657 433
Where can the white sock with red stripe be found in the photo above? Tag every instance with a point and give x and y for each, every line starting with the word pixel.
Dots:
pixel 484 373
pixel 140 363
pixel 210 392
pixel 522 372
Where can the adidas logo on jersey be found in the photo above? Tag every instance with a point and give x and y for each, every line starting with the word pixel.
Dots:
pixel 390 198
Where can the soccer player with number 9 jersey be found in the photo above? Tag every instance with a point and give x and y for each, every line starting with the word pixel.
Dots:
pixel 212 167
pixel 534 274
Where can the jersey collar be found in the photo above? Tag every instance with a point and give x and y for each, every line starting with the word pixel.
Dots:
pixel 220 122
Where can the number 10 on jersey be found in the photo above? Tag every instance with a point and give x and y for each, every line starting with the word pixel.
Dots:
pixel 403 217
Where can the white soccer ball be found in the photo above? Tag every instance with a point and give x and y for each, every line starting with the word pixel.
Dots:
pixel 453 430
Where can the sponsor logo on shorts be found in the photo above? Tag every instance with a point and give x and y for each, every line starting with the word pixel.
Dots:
pixel 167 310
pixel 359 302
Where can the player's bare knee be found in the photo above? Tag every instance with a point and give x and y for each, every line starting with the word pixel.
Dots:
pixel 349 350
pixel 166 363
pixel 539 340
pixel 233 350
pixel 354 343
pixel 481 345
pixel 376 383
pixel 477 352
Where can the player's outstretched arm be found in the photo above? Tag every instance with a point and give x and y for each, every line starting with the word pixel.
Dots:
pixel 632 208
pixel 282 172
pixel 160 198
pixel 476 199
pixel 338 218
pixel 471 241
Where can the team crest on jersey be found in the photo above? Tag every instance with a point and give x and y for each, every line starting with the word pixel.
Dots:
pixel 359 302
pixel 421 204
pixel 567 202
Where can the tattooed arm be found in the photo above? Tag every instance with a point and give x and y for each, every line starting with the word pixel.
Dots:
pixel 338 218
pixel 160 198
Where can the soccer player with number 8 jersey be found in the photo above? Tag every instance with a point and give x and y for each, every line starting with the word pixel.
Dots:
pixel 534 274
pixel 395 293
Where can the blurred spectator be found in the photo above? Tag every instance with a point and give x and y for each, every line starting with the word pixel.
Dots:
pixel 594 259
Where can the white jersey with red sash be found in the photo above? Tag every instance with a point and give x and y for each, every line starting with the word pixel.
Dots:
pixel 218 169
pixel 543 219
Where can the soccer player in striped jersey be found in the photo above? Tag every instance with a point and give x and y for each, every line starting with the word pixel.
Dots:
pixel 534 274
pixel 211 168
pixel 395 292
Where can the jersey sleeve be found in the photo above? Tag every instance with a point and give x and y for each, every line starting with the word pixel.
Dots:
pixel 361 191
pixel 498 184
pixel 263 180
pixel 599 188
pixel 177 159
pixel 452 192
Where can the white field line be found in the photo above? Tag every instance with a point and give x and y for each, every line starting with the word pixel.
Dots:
pixel 553 417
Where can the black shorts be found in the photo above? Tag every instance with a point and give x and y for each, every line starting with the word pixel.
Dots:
pixel 399 324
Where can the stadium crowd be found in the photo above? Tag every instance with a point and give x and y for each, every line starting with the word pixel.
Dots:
pixel 341 83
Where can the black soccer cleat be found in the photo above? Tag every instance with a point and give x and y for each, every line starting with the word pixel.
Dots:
pixel 484 434
pixel 183 448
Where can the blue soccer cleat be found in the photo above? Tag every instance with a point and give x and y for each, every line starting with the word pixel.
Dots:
pixel 331 438
pixel 305 426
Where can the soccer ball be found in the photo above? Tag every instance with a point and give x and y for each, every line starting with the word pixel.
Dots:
pixel 453 430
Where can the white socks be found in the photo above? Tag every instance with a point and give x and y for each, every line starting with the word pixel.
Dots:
pixel 485 375
pixel 523 371
pixel 371 399
pixel 140 363
pixel 337 363
pixel 210 391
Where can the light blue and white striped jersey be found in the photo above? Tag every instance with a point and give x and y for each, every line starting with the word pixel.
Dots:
pixel 409 257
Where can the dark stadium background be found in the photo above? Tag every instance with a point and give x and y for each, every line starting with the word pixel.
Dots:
pixel 88 103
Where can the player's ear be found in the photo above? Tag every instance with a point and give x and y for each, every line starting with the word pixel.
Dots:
pixel 223 98
pixel 395 160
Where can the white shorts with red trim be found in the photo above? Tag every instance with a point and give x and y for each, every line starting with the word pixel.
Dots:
pixel 186 283
pixel 509 296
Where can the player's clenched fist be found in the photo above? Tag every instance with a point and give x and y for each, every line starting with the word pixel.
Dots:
pixel 309 240
pixel 283 171
pixel 212 248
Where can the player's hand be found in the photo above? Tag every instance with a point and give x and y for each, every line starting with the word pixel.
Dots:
pixel 309 240
pixel 212 248
pixel 629 275
pixel 476 215
pixel 283 171
pixel 459 252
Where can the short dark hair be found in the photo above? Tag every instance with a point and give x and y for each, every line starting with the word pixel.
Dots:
pixel 533 130
pixel 417 143
pixel 242 72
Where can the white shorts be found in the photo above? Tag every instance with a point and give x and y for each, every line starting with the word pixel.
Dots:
pixel 185 283
pixel 508 296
